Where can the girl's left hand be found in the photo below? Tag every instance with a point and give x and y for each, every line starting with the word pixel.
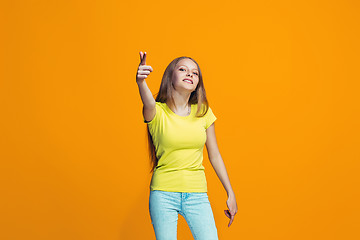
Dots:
pixel 231 203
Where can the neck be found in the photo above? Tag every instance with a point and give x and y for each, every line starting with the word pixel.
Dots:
pixel 181 101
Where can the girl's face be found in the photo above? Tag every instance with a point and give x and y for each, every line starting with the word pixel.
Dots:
pixel 185 75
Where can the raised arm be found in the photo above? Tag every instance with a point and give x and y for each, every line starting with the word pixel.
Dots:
pixel 147 98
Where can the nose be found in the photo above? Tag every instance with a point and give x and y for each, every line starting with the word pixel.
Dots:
pixel 189 74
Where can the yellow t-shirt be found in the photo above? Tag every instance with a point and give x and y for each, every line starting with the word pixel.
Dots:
pixel 179 142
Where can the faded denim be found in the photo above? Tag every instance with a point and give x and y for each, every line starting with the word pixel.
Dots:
pixel 195 207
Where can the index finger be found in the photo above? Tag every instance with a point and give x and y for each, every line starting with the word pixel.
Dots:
pixel 231 220
pixel 143 59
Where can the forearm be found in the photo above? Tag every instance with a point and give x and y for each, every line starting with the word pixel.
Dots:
pixel 145 94
pixel 220 169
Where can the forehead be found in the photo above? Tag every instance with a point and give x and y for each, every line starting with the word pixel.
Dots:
pixel 188 63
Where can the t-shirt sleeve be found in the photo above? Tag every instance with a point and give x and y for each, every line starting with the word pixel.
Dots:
pixel 209 118
pixel 155 121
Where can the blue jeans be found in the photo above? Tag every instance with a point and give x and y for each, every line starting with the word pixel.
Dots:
pixel 195 207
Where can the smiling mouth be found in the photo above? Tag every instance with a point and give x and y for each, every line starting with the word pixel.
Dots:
pixel 188 81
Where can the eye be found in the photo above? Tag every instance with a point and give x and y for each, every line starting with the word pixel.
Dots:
pixel 196 73
pixel 181 69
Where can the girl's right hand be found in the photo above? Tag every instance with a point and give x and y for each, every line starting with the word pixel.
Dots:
pixel 143 69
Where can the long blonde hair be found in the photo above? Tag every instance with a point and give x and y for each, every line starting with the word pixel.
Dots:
pixel 198 96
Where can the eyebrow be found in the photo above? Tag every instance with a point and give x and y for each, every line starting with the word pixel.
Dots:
pixel 186 66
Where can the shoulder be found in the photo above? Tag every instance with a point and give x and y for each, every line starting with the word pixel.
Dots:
pixel 160 105
pixel 203 109
pixel 159 109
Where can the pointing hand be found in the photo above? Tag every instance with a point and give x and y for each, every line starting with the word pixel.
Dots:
pixel 143 69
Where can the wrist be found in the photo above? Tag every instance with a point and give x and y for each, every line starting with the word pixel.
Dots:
pixel 139 81
pixel 231 193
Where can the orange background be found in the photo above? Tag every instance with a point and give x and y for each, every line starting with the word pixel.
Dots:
pixel 281 76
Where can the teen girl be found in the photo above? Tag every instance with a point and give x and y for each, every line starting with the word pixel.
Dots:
pixel 179 123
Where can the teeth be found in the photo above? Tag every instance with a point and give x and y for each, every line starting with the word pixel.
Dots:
pixel 188 81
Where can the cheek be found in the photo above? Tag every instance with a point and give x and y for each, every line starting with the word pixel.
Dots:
pixel 196 84
pixel 197 81
pixel 178 75
pixel 175 77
